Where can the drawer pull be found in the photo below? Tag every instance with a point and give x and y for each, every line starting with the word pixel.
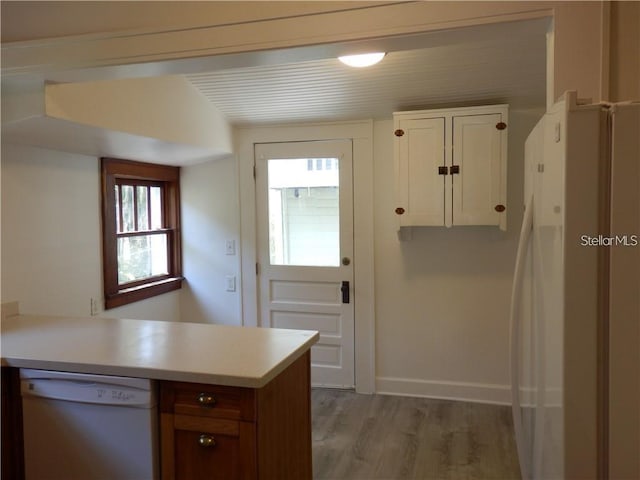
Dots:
pixel 206 441
pixel 207 400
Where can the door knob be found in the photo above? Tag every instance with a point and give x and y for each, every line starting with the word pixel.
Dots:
pixel 346 261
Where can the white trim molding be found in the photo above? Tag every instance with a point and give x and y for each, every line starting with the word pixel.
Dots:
pixel 461 391
pixel 229 30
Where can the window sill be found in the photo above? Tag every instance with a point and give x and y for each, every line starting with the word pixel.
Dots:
pixel 142 292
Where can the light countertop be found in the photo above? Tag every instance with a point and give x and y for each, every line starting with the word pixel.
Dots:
pixel 188 352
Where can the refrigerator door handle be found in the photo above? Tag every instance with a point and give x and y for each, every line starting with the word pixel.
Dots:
pixel 515 326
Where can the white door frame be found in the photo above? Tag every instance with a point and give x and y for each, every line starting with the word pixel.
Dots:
pixel 361 134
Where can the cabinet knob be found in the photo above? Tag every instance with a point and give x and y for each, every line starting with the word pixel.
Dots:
pixel 206 441
pixel 500 208
pixel 399 210
pixel 399 132
pixel 207 400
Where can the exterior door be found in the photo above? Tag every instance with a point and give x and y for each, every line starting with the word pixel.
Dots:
pixel 304 213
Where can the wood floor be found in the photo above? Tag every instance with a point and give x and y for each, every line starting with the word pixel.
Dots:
pixel 371 437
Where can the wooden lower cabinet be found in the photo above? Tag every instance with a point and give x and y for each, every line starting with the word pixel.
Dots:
pixel 209 432
pixel 12 438
pixel 219 432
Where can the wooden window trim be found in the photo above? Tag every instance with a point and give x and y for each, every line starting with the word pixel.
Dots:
pixel 112 170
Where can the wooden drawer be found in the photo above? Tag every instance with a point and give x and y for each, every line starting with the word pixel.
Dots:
pixel 216 401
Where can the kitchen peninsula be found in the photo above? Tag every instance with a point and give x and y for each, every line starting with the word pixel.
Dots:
pixel 247 387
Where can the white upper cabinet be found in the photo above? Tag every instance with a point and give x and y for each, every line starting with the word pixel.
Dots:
pixel 451 166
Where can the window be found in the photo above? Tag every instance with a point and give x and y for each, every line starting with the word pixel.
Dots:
pixel 140 230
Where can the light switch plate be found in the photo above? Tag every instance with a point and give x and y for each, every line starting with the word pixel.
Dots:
pixel 231 283
pixel 230 247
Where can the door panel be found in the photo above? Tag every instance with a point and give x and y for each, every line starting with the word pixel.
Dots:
pixel 477 150
pixel 305 230
pixel 421 152
pixel 327 324
pixel 316 293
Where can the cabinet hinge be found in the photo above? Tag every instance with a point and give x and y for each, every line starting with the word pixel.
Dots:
pixel 254 172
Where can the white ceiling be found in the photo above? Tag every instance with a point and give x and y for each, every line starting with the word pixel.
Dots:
pixel 502 63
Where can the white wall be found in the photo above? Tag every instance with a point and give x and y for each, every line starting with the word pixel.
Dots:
pixel 210 217
pixel 442 298
pixel 51 246
pixel 141 106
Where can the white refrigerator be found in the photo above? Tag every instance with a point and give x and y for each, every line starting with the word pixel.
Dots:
pixel 575 312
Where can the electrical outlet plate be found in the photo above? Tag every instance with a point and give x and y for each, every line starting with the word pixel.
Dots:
pixel 95 306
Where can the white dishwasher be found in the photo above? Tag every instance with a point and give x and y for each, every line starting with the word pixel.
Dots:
pixel 88 427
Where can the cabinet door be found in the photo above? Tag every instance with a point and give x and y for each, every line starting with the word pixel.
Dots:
pixel 224 460
pixel 479 189
pixel 420 188
pixel 12 437
pixel 201 447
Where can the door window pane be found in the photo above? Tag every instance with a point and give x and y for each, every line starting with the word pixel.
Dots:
pixel 304 212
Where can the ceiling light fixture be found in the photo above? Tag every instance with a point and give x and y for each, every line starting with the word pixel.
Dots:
pixel 363 60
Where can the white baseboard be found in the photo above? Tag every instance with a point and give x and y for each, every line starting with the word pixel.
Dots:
pixel 551 397
pixel 461 391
